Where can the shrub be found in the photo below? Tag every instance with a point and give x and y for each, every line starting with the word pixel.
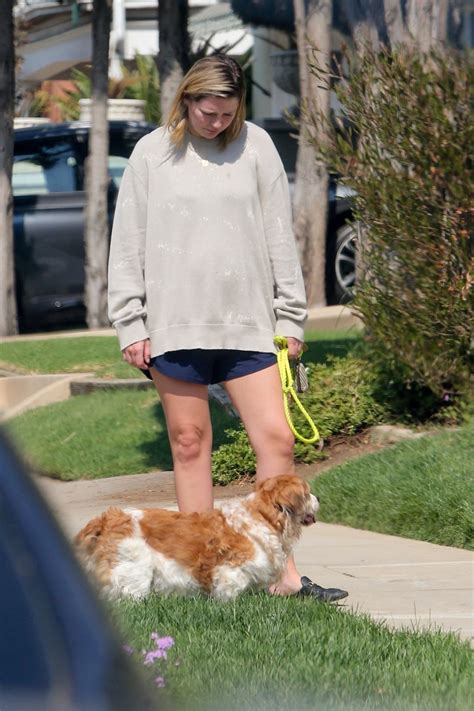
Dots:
pixel 142 82
pixel 339 400
pixel 234 459
pixel 340 397
pixel 404 145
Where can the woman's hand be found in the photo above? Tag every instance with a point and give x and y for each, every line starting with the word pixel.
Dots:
pixel 138 354
pixel 295 347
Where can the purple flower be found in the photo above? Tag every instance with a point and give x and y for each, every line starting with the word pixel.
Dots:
pixel 127 649
pixel 162 642
pixel 165 642
pixel 160 682
pixel 153 655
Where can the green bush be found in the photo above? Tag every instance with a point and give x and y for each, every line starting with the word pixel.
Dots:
pixel 141 82
pixel 404 145
pixel 340 397
pixel 339 400
pixel 234 459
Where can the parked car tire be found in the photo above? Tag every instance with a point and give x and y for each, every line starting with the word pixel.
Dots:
pixel 344 263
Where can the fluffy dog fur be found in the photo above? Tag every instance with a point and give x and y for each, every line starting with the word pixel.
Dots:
pixel 238 546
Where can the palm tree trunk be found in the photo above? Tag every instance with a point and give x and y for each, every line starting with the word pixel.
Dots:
pixel 173 56
pixel 427 21
pixel 8 313
pixel 311 188
pixel 97 227
pixel 395 22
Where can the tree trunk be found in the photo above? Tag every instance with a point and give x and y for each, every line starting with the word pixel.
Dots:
pixel 427 21
pixel 366 19
pixel 97 227
pixel 173 56
pixel 395 22
pixel 396 29
pixel 311 187
pixel 8 313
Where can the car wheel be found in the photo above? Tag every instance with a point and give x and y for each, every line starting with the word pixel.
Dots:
pixel 345 263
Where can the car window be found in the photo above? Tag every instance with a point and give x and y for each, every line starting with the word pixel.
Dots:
pixel 121 145
pixel 50 168
pixel 116 167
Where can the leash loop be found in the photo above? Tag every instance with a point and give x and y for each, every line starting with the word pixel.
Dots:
pixel 289 392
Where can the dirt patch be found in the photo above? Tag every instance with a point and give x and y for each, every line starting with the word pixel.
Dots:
pixel 340 450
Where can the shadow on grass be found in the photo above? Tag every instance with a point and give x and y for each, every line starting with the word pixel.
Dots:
pixel 319 351
pixel 157 452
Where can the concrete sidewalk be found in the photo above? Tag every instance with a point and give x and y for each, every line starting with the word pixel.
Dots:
pixel 330 318
pixel 404 582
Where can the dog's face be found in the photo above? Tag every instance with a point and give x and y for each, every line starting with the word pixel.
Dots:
pixel 96 544
pixel 284 499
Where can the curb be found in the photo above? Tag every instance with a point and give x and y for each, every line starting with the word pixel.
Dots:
pixel 86 387
pixel 333 318
pixel 19 393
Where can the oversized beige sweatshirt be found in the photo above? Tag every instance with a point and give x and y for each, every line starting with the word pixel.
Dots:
pixel 202 252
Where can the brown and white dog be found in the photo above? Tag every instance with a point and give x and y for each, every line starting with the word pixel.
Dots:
pixel 239 546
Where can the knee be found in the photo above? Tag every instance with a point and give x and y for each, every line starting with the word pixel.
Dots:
pixel 286 441
pixel 279 439
pixel 187 443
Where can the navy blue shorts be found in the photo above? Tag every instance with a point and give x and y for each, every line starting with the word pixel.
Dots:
pixel 205 367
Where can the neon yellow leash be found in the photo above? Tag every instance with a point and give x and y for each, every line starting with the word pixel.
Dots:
pixel 286 377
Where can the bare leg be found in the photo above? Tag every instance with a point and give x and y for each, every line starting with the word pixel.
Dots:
pixel 259 401
pixel 186 408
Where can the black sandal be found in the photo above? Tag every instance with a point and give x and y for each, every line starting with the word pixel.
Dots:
pixel 310 589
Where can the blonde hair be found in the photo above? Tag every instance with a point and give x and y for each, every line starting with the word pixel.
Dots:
pixel 219 76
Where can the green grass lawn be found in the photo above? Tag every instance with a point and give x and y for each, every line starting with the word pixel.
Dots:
pixel 102 434
pixel 419 489
pixel 108 433
pixel 101 355
pixel 261 652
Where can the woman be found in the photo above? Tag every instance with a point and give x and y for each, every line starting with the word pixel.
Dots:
pixel 203 273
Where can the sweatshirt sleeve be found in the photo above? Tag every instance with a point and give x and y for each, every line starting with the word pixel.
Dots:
pixel 290 298
pixel 126 282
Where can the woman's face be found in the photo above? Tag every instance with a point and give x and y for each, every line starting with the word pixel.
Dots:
pixel 211 115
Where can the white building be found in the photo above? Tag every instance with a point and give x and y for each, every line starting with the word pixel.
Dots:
pixel 57 37
pixel 59 32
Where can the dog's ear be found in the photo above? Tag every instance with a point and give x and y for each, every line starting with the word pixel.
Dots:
pixel 287 493
pixel 88 536
pixel 292 502
pixel 284 508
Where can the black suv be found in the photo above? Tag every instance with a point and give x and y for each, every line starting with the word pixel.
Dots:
pixel 49 201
